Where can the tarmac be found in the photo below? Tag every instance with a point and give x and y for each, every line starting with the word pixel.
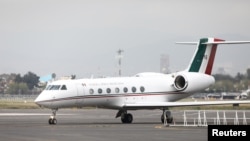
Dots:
pixel 93 125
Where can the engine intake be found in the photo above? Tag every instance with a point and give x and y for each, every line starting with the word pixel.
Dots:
pixel 180 83
pixel 191 82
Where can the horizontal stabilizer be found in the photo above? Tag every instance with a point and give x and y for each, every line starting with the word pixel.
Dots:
pixel 216 42
pixel 188 43
pixel 227 42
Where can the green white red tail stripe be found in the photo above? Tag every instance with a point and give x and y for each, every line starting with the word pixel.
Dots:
pixel 212 57
pixel 204 57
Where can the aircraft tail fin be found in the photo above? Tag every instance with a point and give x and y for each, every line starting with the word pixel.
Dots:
pixel 204 56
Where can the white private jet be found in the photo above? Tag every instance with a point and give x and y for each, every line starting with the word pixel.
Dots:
pixel 142 91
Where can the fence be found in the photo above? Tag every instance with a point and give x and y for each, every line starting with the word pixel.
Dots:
pixel 212 117
pixel 13 98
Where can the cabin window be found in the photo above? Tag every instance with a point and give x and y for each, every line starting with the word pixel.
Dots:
pixel 142 89
pixel 63 87
pixel 117 90
pixel 91 91
pixel 133 89
pixel 99 90
pixel 125 89
pixel 108 90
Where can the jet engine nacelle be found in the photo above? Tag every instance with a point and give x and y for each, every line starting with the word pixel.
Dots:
pixel 192 81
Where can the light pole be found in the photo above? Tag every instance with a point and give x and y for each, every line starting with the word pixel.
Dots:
pixel 120 61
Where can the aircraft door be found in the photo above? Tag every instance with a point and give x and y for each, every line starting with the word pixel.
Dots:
pixel 80 94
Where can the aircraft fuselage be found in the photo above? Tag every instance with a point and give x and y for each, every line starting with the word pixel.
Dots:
pixel 113 93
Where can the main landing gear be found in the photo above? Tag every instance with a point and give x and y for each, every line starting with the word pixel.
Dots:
pixel 166 116
pixel 52 119
pixel 125 117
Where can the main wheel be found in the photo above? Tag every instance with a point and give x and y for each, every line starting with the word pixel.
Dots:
pixel 169 117
pixel 170 120
pixel 127 118
pixel 162 118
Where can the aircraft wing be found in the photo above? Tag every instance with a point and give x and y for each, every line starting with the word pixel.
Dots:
pixel 159 105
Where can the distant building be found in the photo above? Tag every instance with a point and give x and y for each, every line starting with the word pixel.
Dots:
pixel 164 63
pixel 45 79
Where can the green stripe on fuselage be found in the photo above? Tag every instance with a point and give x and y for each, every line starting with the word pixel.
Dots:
pixel 196 64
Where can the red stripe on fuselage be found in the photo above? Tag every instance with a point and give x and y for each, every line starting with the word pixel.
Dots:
pixel 107 96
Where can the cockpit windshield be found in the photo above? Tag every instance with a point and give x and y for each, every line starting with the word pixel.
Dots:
pixel 56 87
pixel 48 87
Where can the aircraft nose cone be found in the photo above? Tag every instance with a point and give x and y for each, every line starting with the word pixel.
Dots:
pixel 37 100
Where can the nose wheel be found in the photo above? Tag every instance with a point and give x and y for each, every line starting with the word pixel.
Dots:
pixel 52 119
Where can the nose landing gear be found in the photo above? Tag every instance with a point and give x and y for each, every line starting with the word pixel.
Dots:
pixel 52 119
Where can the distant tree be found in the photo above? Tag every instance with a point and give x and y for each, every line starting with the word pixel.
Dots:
pixel 31 80
pixel 18 78
pixel 12 89
pixel 17 88
pixel 239 77
pixel 23 88
pixel 223 77
pixel 248 73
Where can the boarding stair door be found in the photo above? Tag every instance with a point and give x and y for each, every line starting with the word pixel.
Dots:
pixel 80 94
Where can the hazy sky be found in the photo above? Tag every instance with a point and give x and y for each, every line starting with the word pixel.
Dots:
pixel 82 36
